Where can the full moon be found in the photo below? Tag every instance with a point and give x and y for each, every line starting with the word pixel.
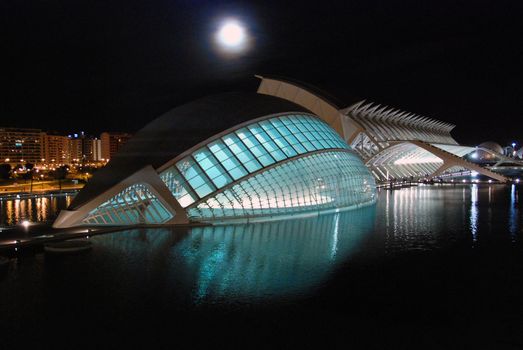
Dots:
pixel 231 36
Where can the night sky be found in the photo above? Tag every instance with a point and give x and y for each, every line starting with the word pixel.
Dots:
pixel 115 65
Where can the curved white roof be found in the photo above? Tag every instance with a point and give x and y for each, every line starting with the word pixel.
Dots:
pixel 493 146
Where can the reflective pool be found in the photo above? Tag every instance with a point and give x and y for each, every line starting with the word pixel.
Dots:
pixel 428 266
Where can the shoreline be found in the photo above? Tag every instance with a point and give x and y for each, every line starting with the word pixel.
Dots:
pixel 34 194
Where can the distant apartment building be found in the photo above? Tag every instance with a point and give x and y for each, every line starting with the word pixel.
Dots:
pixel 70 149
pixel 57 148
pixel 85 149
pixel 97 150
pixel 76 150
pixel 21 145
pixel 112 142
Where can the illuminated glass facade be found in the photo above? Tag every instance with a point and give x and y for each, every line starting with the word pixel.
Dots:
pixel 320 181
pixel 134 205
pixel 290 163
pixel 245 151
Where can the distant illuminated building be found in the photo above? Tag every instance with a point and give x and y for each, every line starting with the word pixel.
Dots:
pixel 97 149
pixel 84 148
pixel 57 149
pixel 21 145
pixel 111 142
pixel 76 145
pixel 486 153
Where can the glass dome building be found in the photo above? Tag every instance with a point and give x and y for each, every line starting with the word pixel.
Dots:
pixel 234 157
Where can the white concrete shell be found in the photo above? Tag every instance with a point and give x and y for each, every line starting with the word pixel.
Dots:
pixel 275 159
pixel 393 143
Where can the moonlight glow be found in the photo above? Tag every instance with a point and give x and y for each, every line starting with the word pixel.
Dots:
pixel 231 36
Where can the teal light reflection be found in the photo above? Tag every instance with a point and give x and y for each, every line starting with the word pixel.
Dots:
pixel 270 259
pixel 238 263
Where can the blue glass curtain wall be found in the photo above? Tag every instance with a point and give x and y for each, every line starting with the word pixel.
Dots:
pixel 327 180
pixel 246 150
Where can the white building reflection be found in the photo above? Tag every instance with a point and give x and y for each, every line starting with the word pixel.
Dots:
pixel 474 212
pixel 428 217
pixel 409 217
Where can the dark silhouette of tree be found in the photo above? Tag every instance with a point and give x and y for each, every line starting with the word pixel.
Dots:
pixel 5 171
pixel 60 173
pixel 29 174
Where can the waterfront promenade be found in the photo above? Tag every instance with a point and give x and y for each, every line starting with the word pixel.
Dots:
pixel 25 186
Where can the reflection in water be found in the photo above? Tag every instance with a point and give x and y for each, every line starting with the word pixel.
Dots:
pixel 290 257
pixel 36 209
pixel 238 264
pixel 248 261
pixel 407 217
pixel 513 213
pixel 429 217
pixel 474 212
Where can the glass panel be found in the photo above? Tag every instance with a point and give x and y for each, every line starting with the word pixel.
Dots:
pixel 195 176
pixel 228 160
pixel 212 167
pixel 245 151
pixel 178 186
pixel 134 205
pixel 267 142
pixel 255 147
pixel 242 153
pixel 319 181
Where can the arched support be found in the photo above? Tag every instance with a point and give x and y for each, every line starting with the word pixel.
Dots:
pixel 347 128
pixel 503 159
pixel 386 128
pixel 407 152
pixel 441 169
pixel 453 160
pixel 148 176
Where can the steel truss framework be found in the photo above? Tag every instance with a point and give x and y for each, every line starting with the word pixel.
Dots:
pixel 393 143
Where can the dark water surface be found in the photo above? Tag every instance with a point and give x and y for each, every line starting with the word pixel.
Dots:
pixel 37 208
pixel 428 267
